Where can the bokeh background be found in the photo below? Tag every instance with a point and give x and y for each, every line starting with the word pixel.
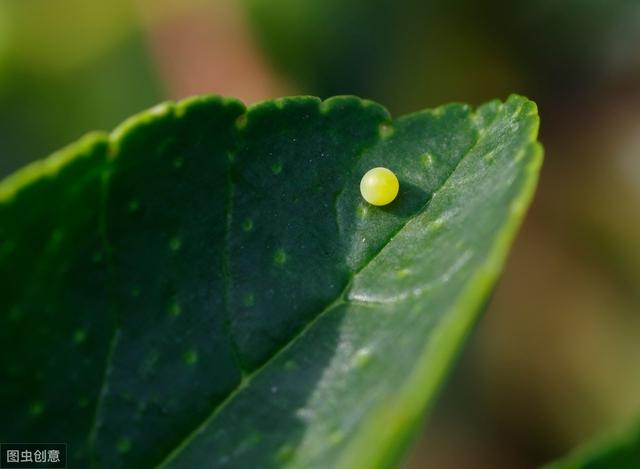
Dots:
pixel 555 360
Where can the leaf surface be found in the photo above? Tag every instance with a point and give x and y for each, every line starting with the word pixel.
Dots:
pixel 206 287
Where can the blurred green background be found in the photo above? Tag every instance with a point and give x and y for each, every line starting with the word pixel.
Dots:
pixel 555 358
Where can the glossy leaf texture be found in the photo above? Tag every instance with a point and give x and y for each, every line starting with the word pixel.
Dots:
pixel 205 286
pixel 619 450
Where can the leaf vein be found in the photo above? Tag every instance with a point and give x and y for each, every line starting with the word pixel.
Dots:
pixel 226 271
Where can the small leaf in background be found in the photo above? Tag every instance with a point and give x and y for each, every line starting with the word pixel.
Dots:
pixel 206 287
pixel 619 450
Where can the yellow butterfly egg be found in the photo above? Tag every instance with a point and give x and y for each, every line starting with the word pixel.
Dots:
pixel 379 186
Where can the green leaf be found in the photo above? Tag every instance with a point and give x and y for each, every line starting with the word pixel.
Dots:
pixel 619 450
pixel 206 287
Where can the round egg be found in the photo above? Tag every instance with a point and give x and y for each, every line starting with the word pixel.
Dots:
pixel 379 186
